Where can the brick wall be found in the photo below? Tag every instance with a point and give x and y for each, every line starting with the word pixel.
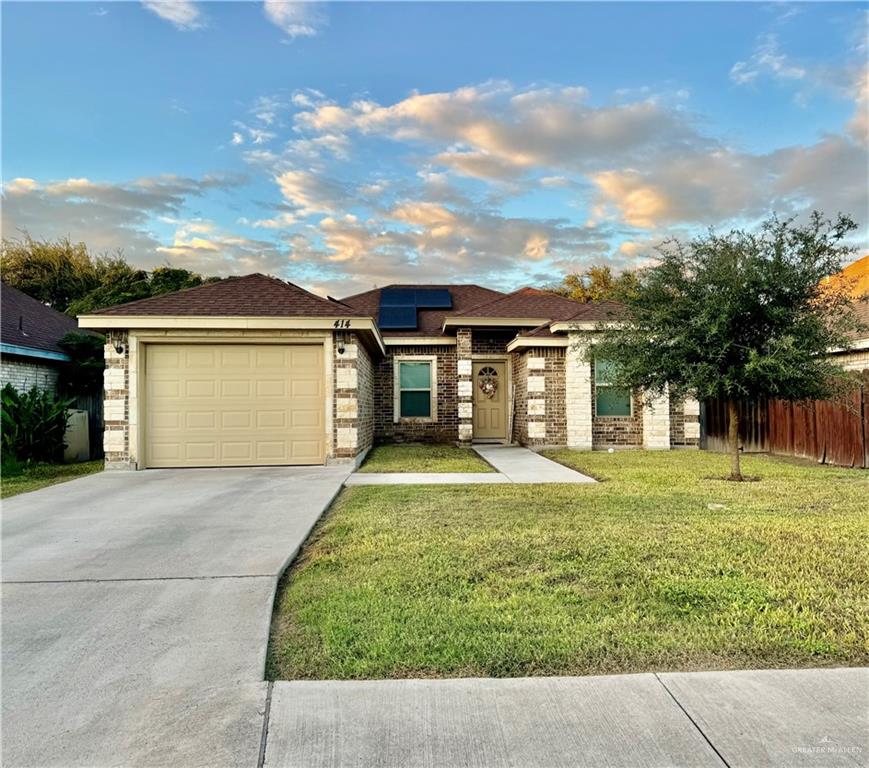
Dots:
pixel 519 362
pixel 23 373
pixel 485 342
pixel 446 428
pixel 684 422
pixel 617 431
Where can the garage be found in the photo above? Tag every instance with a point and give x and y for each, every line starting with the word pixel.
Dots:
pixel 220 405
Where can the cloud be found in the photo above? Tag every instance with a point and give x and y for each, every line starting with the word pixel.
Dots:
pixel 183 14
pixel 767 59
pixel 295 19
pixel 107 216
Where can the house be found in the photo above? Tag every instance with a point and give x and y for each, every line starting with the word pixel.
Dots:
pixel 856 357
pixel 29 334
pixel 253 370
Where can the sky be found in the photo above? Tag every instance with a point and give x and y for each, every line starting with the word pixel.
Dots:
pixel 349 145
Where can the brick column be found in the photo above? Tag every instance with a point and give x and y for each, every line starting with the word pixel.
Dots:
pixel 656 422
pixel 116 401
pixel 464 371
pixel 536 398
pixel 579 393
pixel 346 413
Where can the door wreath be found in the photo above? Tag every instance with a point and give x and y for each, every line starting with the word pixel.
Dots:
pixel 487 381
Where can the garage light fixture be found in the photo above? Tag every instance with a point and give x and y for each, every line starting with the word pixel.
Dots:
pixel 119 348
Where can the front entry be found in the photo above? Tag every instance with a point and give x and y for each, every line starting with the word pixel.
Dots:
pixel 490 401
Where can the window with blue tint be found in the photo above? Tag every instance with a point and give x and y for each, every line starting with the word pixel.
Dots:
pixel 414 384
pixel 609 400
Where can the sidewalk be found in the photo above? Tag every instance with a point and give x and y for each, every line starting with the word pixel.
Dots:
pixel 523 466
pixel 750 719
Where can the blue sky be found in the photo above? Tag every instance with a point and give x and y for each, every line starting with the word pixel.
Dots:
pixel 345 145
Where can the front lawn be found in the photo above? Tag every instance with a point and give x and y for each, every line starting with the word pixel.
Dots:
pixel 39 476
pixel 656 568
pixel 423 458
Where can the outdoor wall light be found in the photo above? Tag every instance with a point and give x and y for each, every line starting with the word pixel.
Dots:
pixel 340 347
pixel 119 348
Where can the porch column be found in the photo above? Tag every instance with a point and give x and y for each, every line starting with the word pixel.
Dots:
pixel 465 387
pixel 579 407
pixel 656 422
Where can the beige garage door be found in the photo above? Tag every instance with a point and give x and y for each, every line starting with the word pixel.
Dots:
pixel 223 405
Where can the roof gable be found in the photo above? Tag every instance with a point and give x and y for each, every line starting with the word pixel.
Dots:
pixel 525 303
pixel 250 296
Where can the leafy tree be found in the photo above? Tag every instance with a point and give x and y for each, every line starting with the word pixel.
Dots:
pixel 55 272
pixel 597 284
pixel 118 283
pixel 34 424
pixel 67 277
pixel 740 315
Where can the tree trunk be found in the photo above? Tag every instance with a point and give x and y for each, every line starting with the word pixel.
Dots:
pixel 733 439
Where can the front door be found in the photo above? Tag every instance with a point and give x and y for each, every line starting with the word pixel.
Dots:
pixel 490 401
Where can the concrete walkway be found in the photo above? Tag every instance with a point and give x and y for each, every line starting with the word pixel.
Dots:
pixel 523 466
pixel 426 478
pixel 781 719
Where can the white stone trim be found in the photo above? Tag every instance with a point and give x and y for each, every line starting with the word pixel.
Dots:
pixel 656 422
pixel 579 403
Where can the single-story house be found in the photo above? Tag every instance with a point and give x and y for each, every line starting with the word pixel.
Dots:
pixel 29 336
pixel 255 371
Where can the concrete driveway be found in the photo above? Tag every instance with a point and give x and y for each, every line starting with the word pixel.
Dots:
pixel 135 612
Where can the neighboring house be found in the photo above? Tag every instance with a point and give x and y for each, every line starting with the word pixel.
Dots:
pixel 253 370
pixel 856 358
pixel 29 336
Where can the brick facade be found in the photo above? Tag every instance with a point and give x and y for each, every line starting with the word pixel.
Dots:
pixel 684 422
pixel 464 385
pixel 539 395
pixel 446 428
pixel 23 373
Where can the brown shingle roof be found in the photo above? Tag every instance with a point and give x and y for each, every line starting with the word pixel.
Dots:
pixel 596 311
pixel 253 295
pixel 526 302
pixel 27 322
pixel 429 321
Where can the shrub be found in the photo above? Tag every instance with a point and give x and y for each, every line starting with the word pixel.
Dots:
pixel 34 423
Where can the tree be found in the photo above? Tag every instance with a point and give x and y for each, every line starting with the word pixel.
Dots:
pixel 597 283
pixel 54 271
pixel 67 277
pixel 83 374
pixel 740 315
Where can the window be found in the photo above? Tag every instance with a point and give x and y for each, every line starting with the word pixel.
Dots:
pixel 415 388
pixel 608 399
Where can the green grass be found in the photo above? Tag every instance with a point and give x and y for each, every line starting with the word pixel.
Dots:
pixel 635 573
pixel 39 476
pixel 423 458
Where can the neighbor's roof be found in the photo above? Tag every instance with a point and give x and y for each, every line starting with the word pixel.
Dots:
pixel 251 296
pixel 861 309
pixel 26 322
pixel 429 321
pixel 525 303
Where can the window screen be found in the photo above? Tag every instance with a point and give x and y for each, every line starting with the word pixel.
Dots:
pixel 415 389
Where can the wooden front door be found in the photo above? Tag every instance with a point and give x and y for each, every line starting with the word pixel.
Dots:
pixel 490 401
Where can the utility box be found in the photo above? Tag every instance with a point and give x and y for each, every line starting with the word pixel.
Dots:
pixel 76 437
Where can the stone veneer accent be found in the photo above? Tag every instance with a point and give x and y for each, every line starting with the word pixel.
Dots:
pixel 353 403
pixel 464 385
pixel 578 393
pixel 656 422
pixel 116 402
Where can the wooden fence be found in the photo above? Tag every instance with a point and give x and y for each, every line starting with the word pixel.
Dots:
pixel 826 431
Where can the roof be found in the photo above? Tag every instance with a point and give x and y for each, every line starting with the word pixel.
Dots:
pixel 527 303
pixel 27 322
pixel 429 321
pixel 250 296
pixel 861 309
pixel 597 311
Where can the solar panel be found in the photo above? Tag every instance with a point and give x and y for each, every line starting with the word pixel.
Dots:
pixel 390 297
pixel 398 318
pixel 433 298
